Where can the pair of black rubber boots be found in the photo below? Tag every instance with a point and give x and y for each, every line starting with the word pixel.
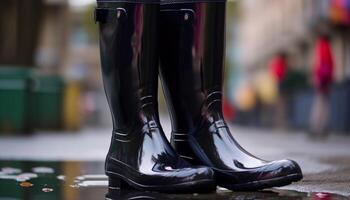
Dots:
pixel 183 41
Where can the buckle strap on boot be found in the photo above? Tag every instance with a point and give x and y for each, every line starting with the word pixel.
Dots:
pixel 178 16
pixel 217 125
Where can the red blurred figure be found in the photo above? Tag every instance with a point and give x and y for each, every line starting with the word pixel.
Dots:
pixel 278 67
pixel 323 66
pixel 228 109
pixel 323 78
pixel 321 196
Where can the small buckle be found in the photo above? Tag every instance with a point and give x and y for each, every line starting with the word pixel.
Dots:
pixel 188 15
pixel 121 12
pixel 220 124
pixel 152 124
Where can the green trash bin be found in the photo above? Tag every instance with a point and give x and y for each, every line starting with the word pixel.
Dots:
pixel 14 93
pixel 46 100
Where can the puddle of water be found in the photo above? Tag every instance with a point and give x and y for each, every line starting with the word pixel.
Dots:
pixel 85 181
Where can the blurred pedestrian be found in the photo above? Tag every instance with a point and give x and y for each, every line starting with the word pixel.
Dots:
pixel 278 69
pixel 322 78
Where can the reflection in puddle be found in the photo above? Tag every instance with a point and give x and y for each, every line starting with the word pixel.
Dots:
pixel 10 170
pixel 91 180
pixel 65 180
pixel 93 184
pixel 61 177
pixel 43 170
pixel 321 196
pixel 26 184
pixel 92 176
pixel 47 189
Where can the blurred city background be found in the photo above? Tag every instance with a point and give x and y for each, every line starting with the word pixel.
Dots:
pixel 50 67
pixel 287 84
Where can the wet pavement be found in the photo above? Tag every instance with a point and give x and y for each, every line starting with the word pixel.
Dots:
pixel 85 180
pixel 325 164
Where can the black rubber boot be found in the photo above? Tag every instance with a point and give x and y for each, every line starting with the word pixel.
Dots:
pixel 192 62
pixel 140 155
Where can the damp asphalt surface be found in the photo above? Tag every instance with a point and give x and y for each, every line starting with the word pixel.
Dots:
pixel 85 181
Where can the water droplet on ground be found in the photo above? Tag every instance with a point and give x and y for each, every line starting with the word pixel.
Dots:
pixel 47 189
pixel 10 170
pixel 26 177
pixel 61 177
pixel 8 177
pixel 43 170
pixel 75 186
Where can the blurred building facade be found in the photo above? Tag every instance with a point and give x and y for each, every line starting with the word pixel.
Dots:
pixel 50 48
pixel 53 36
pixel 69 47
pixel 19 28
pixel 272 26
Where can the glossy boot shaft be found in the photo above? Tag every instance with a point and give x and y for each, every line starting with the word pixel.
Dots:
pixel 192 65
pixel 139 155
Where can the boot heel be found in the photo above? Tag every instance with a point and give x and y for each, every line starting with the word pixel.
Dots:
pixel 117 184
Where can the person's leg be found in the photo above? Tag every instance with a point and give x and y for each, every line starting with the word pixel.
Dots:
pixel 192 64
pixel 314 115
pixel 281 112
pixel 140 155
pixel 319 116
pixel 324 111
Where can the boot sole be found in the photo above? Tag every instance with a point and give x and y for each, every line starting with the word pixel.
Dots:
pixel 120 182
pixel 264 184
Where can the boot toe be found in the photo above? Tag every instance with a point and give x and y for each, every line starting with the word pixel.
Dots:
pixel 283 168
pixel 194 179
pixel 193 174
pixel 272 174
